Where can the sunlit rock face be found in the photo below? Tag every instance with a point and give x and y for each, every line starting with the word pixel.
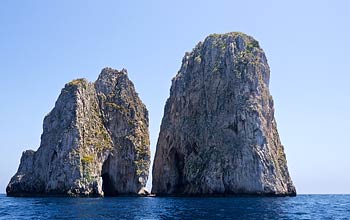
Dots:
pixel 218 134
pixel 95 142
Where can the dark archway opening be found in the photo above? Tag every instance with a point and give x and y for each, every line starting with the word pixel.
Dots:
pixel 180 165
pixel 108 185
pixel 176 185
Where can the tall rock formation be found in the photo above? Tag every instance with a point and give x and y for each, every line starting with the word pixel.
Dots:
pixel 218 134
pixel 95 142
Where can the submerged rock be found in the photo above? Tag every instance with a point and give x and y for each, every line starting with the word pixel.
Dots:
pixel 218 134
pixel 95 142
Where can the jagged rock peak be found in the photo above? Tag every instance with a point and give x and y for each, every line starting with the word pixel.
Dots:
pixel 95 142
pixel 218 134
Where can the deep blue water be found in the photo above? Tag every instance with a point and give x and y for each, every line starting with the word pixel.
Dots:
pixel 300 207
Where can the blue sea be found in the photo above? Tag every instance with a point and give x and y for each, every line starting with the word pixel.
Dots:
pixel 300 207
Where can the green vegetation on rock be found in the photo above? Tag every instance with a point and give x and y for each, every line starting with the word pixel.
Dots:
pixel 252 44
pixel 99 138
pixel 113 105
pixel 78 82
pixel 87 159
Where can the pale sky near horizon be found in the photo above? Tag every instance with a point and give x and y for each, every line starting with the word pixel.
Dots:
pixel 45 44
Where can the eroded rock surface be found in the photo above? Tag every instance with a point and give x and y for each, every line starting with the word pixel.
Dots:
pixel 218 134
pixel 95 142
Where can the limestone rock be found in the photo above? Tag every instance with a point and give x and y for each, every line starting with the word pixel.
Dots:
pixel 218 134
pixel 143 192
pixel 95 142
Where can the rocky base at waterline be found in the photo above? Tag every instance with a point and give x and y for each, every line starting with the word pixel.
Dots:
pixel 218 134
pixel 95 142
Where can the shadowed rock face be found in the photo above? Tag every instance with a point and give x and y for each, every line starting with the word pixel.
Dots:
pixel 95 142
pixel 218 134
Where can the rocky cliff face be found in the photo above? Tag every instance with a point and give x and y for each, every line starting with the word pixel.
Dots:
pixel 95 142
pixel 218 134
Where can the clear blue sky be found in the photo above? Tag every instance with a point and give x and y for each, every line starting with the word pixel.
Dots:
pixel 44 44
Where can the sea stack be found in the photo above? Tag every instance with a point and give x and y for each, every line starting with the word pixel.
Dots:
pixel 218 134
pixel 95 142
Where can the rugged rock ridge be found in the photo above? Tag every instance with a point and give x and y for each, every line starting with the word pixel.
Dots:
pixel 218 134
pixel 95 142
